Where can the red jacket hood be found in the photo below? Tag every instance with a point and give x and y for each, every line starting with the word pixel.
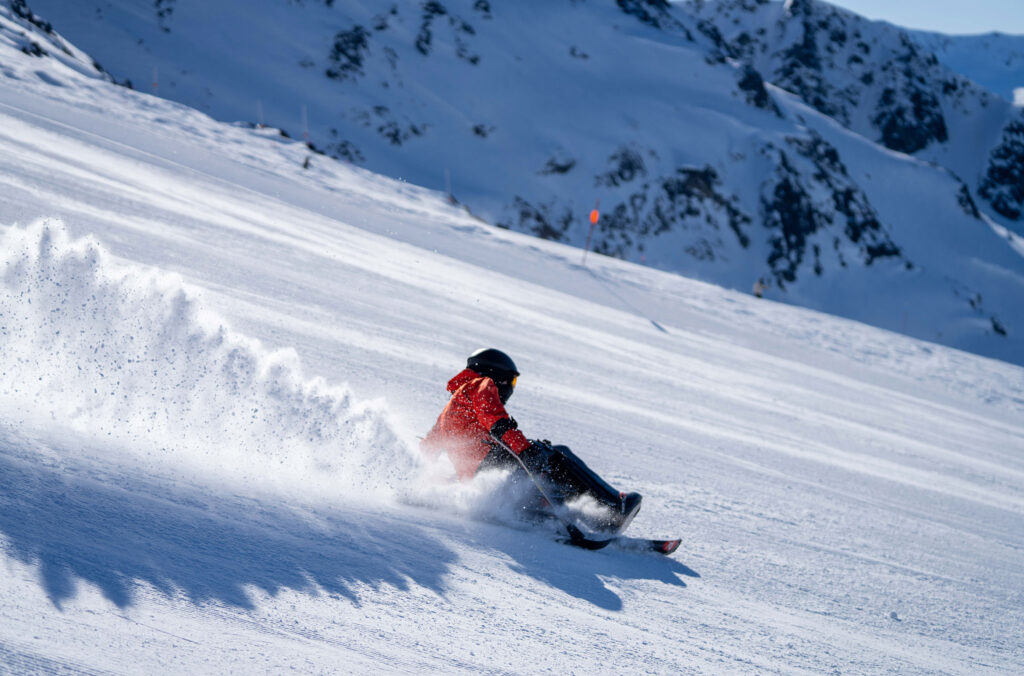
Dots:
pixel 463 377
pixel 472 413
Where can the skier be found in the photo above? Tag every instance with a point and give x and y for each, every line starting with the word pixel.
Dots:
pixel 477 433
pixel 759 287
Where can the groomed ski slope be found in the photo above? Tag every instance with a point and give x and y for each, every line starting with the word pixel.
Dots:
pixel 215 364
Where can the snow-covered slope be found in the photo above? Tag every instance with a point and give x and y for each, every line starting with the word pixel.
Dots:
pixel 534 111
pixel 178 494
pixel 993 60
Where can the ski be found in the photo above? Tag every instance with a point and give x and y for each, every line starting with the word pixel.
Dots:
pixel 665 547
pixel 578 539
pixel 624 542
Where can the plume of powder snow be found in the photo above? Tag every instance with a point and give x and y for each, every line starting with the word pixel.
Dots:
pixel 488 496
pixel 127 354
pixel 492 496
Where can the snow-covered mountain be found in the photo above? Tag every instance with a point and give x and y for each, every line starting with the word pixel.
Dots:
pixel 883 82
pixel 214 371
pixel 993 60
pixel 534 111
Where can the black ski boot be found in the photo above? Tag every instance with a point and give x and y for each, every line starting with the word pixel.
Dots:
pixel 629 505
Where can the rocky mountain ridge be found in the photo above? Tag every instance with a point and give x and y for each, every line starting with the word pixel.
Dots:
pixel 880 81
pixel 719 156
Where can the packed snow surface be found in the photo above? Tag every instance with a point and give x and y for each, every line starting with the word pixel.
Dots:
pixel 215 364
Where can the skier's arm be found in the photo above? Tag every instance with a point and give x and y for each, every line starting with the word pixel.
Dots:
pixel 494 418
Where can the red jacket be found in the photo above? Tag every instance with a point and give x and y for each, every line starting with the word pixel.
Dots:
pixel 471 414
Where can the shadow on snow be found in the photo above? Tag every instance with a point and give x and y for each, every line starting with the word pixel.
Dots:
pixel 581 573
pixel 117 531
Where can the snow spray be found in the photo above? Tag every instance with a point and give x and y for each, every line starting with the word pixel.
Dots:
pixel 127 355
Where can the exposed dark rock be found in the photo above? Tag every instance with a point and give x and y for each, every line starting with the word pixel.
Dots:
pixel 908 113
pixel 974 300
pixel 348 52
pixel 910 119
pixel 701 185
pixel 792 214
pixel 431 10
pixel 484 7
pixel 558 166
pixel 164 11
pixel 381 119
pixel 967 203
pixel 346 150
pixel 382 22
pixel 398 134
pixel 723 49
pixel 655 13
pixel 392 58
pixel 21 10
pixel 1003 183
pixel 628 164
pixel 462 51
pixel 545 221
pixel 788 210
pixel 800 71
pixel 802 54
pixel 824 59
pixel 651 12
pixel 33 48
pixel 751 82
pixel 686 201
pixel 801 8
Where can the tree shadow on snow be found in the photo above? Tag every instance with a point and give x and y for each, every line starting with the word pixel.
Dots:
pixel 587 574
pixel 125 530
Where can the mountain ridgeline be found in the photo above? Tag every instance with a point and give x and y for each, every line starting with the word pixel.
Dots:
pixel 834 158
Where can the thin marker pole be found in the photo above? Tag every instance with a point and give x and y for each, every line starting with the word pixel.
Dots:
pixel 594 216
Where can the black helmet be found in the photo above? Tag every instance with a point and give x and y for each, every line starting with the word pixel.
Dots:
pixel 497 366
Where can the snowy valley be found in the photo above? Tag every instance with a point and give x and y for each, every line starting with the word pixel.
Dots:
pixel 218 350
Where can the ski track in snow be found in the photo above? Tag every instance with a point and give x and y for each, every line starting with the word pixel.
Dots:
pixel 850 500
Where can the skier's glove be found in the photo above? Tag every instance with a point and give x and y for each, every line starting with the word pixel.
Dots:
pixel 503 426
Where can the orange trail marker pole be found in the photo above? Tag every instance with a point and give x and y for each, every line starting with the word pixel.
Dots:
pixel 594 216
